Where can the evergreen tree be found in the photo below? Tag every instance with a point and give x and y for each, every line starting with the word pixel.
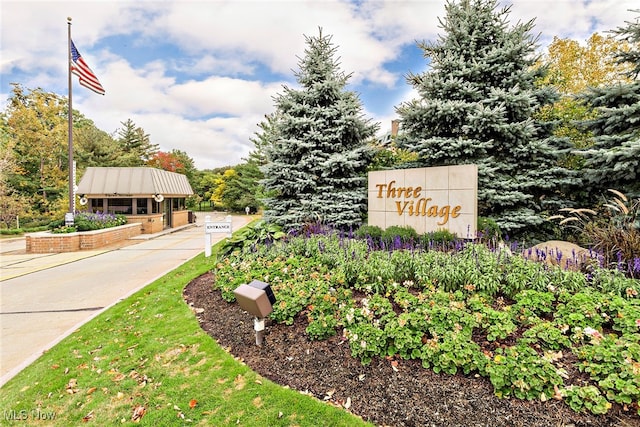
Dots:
pixel 318 151
pixel 475 106
pixel 136 145
pixel 262 140
pixel 93 147
pixel 613 161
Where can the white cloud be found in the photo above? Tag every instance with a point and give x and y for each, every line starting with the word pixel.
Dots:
pixel 206 95
pixel 175 114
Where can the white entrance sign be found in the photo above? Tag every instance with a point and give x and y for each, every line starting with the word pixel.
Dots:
pixel 217 227
pixel 426 199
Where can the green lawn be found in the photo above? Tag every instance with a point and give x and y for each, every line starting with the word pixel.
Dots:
pixel 148 358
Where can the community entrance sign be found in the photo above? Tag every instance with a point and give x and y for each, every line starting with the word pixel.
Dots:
pixel 211 227
pixel 426 199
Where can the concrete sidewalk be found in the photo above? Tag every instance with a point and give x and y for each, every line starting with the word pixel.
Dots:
pixel 45 297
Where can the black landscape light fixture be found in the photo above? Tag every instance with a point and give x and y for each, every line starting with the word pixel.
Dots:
pixel 257 299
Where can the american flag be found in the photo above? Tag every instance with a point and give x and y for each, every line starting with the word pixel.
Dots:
pixel 82 70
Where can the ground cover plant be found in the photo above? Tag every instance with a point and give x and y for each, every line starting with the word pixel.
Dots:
pixel 146 361
pixel 534 331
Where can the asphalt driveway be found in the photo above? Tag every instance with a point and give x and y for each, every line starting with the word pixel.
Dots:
pixel 45 297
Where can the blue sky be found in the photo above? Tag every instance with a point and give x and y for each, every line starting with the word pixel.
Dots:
pixel 199 75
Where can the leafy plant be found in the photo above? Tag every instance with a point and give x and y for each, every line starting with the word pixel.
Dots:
pixel 326 310
pixel 519 371
pixel 257 233
pixel 589 398
pixel 612 230
pixel 615 364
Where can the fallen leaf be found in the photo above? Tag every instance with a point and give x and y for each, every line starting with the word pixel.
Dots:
pixel 119 376
pixel 87 417
pixel 394 365
pixel 71 386
pixel 91 390
pixel 193 403
pixel 347 404
pixel 557 394
pixel 138 413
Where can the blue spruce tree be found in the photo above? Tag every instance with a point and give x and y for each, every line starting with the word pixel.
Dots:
pixel 476 105
pixel 613 161
pixel 318 149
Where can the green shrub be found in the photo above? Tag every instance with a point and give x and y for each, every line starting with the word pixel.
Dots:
pixel 405 233
pixel 87 221
pixel 372 231
pixel 64 229
pixel 440 236
pixel 11 231
pixel 488 229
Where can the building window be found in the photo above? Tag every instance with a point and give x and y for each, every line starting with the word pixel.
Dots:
pixel 120 206
pixel 178 203
pixel 96 205
pixel 141 206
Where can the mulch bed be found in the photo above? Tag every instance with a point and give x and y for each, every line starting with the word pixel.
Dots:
pixel 401 393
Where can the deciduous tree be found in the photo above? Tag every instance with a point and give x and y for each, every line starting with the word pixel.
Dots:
pixel 36 124
pixel 572 68
pixel 613 160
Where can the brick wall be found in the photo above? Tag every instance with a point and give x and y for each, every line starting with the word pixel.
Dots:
pixel 151 224
pixel 45 242
pixel 180 218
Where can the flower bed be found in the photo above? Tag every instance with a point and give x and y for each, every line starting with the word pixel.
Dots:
pixel 535 331
pixel 47 242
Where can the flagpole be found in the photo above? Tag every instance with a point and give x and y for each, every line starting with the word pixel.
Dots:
pixel 72 193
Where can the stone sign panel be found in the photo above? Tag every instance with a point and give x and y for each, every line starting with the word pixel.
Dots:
pixel 426 199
